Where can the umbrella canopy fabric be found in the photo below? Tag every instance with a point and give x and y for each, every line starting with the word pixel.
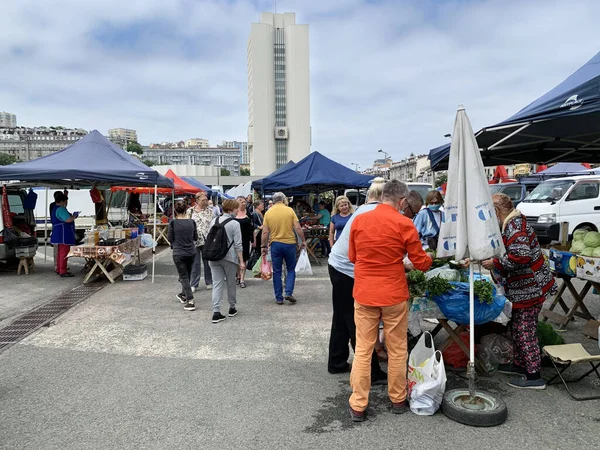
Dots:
pixel 181 186
pixel 561 125
pixel 469 226
pixel 315 173
pixel 91 160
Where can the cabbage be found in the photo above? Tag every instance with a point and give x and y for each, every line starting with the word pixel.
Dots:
pixel 578 235
pixel 577 247
pixel 592 239
pixel 588 251
pixel 597 252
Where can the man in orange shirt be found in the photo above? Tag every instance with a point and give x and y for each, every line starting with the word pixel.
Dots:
pixel 379 241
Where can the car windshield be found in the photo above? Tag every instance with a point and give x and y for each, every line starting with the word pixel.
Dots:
pixel 549 191
pixel 495 188
pixel 422 189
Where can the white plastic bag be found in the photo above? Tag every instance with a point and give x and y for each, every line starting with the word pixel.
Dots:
pixel 147 241
pixel 426 377
pixel 303 266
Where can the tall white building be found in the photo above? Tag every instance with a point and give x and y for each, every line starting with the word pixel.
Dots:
pixel 196 143
pixel 278 92
pixel 7 120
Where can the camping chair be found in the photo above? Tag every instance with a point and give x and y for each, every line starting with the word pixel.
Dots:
pixel 568 354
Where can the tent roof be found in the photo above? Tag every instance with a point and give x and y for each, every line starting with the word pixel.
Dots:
pixel 563 168
pixel 561 125
pixel 182 186
pixel 91 160
pixel 315 173
pixel 198 184
pixel 257 184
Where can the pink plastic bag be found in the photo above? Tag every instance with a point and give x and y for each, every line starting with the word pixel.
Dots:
pixel 266 271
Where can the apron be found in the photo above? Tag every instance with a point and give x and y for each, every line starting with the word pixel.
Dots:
pixel 62 232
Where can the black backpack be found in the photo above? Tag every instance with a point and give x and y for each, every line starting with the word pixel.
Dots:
pixel 216 245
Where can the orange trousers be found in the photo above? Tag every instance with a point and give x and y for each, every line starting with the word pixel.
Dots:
pixel 395 324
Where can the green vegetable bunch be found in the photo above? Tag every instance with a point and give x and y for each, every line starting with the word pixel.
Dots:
pixel 484 291
pixel 417 283
pixel 438 286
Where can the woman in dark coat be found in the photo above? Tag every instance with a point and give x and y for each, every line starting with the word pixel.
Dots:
pixel 247 229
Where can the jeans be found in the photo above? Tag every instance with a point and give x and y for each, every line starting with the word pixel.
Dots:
pixel 184 264
pixel 197 269
pixel 283 252
pixel 224 272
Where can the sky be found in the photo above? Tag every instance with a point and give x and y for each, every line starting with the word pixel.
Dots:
pixel 384 74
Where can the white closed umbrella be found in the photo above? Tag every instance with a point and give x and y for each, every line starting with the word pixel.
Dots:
pixel 469 229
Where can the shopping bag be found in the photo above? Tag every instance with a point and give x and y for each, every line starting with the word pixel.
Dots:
pixel 266 271
pixel 256 267
pixel 426 377
pixel 303 266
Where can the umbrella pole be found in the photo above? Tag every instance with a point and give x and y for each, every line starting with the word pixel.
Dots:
pixel 154 238
pixel 173 204
pixel 46 228
pixel 471 366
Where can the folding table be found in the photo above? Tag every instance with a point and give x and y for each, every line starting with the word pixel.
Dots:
pixel 161 232
pixel 577 309
pixel 313 237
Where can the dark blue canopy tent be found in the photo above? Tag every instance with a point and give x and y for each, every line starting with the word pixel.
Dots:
pixel 198 184
pixel 562 125
pixel 93 160
pixel 315 173
pixel 563 168
pixel 257 184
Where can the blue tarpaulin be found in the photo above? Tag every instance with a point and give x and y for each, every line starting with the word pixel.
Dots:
pixel 91 160
pixel 561 125
pixel 315 173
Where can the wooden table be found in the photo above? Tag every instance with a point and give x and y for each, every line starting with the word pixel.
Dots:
pixel 161 232
pixel 101 256
pixel 313 237
pixel 577 309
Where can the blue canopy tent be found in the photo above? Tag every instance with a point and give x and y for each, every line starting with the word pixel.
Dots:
pixel 315 173
pixel 257 184
pixel 198 184
pixel 561 125
pixel 563 169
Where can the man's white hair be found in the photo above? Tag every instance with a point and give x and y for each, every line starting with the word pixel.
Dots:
pixel 278 197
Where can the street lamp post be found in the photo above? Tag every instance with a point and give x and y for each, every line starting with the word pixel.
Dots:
pixel 356 166
pixel 387 175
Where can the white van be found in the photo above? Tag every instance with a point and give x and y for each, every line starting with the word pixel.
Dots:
pixel 571 199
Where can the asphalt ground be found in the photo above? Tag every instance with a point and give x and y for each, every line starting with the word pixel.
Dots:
pixel 129 368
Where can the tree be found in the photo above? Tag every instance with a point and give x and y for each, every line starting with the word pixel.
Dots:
pixel 135 147
pixel 148 162
pixel 441 179
pixel 6 159
pixel 225 172
pixel 245 172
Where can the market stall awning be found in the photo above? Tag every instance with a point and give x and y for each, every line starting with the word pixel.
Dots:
pixel 91 160
pixel 562 125
pixel 181 186
pixel 192 181
pixel 315 173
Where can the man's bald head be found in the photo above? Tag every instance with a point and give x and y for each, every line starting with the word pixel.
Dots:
pixel 415 203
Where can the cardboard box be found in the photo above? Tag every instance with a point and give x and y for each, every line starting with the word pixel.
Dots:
pixel 588 268
pixel 562 261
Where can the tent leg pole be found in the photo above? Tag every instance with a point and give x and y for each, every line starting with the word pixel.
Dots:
pixel 173 204
pixel 471 367
pixel 154 238
pixel 46 229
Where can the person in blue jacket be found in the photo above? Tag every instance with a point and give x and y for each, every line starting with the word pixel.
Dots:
pixel 63 233
pixel 429 219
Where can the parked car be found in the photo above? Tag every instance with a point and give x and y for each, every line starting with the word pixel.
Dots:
pixel 517 191
pixel 421 188
pixel 359 197
pixel 574 200
pixel 16 199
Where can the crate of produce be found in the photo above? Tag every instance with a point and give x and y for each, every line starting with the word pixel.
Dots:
pixel 563 262
pixel 135 273
pixel 25 252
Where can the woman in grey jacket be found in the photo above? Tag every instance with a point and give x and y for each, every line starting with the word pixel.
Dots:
pixel 228 267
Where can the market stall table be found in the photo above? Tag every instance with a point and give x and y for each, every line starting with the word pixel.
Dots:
pixel 313 237
pixel 577 309
pixel 161 232
pixel 102 255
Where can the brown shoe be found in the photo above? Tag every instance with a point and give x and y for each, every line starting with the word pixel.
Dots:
pixel 357 416
pixel 400 408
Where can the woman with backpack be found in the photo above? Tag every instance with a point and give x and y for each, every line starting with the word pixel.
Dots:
pixel 182 234
pixel 223 250
pixel 429 219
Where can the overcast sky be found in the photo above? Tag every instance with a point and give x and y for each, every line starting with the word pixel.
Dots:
pixel 384 74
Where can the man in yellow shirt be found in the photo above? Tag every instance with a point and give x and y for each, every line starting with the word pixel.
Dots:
pixel 282 224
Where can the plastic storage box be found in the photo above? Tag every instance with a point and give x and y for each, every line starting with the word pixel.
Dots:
pixel 135 273
pixel 25 252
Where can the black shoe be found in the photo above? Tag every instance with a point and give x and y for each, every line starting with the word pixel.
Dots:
pixel 357 416
pixel 400 408
pixel 190 306
pixel 232 312
pixel 218 317
pixel 511 369
pixel 290 298
pixel 66 275
pixel 279 302
pixel 181 298
pixel 379 379
pixel 340 370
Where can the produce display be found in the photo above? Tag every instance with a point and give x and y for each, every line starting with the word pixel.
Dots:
pixel 586 243
pixel 419 285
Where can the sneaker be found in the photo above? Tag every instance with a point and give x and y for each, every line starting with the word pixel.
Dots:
pixel 400 408
pixel 524 383
pixel 290 298
pixel 357 416
pixel 279 302
pixel 232 312
pixel 208 287
pixel 194 288
pixel 181 298
pixel 190 306
pixel 379 379
pixel 511 369
pixel 218 317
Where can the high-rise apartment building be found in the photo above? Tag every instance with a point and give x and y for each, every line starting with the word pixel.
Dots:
pixel 7 120
pixel 242 146
pixel 278 92
pixel 196 143
pixel 123 134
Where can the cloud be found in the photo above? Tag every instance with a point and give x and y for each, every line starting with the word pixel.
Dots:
pixel 384 74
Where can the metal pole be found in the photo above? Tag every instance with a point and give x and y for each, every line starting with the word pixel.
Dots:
pixel 46 228
pixel 471 367
pixel 154 238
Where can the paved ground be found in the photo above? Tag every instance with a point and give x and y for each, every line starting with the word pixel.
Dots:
pixel 129 368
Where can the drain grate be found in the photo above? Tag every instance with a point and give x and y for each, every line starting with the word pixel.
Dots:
pixel 44 314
